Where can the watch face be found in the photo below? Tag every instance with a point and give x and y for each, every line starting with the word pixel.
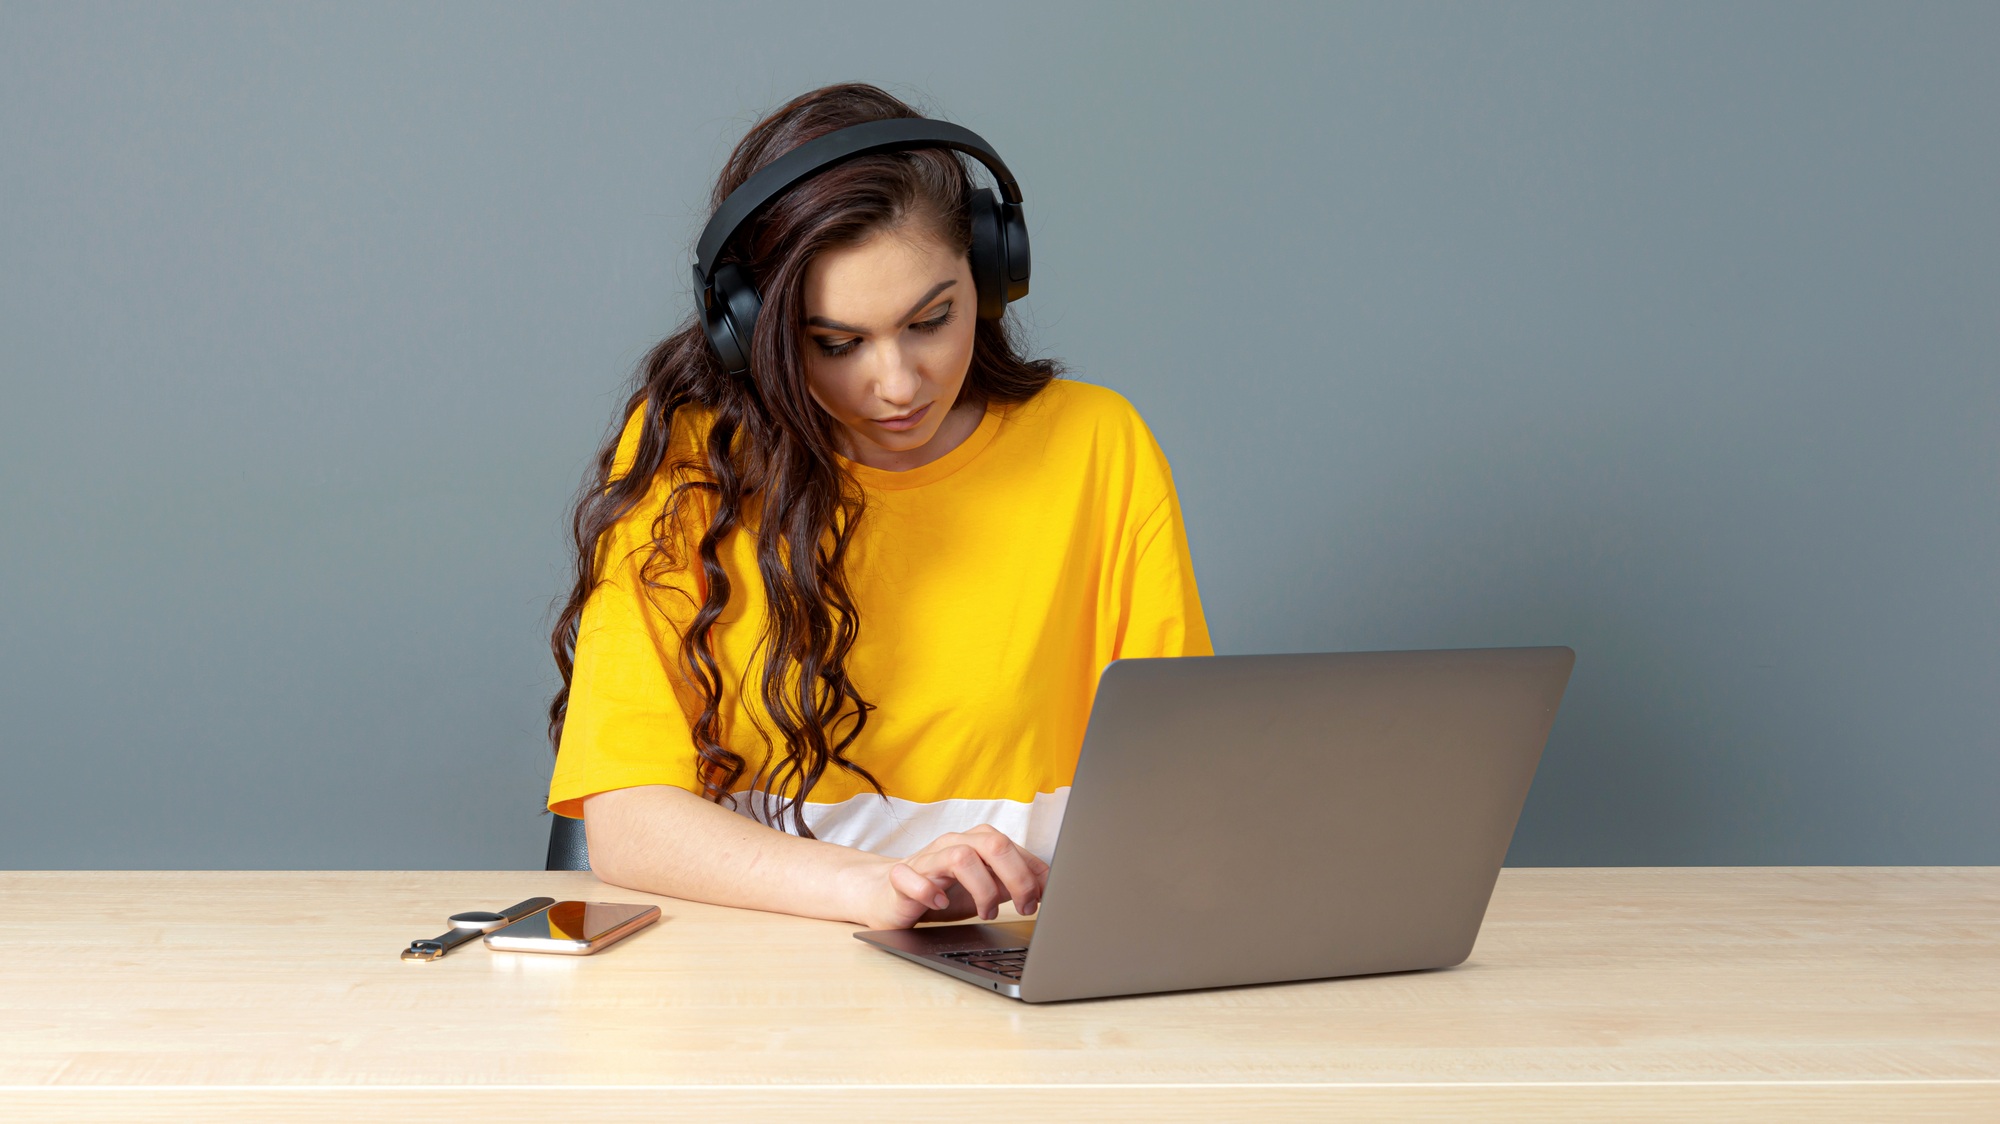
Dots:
pixel 478 919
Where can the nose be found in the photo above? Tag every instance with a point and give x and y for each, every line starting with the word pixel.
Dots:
pixel 895 375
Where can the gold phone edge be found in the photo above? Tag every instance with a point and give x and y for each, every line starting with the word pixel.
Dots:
pixel 605 939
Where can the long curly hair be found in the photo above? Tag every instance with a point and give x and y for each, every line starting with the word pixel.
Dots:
pixel 768 466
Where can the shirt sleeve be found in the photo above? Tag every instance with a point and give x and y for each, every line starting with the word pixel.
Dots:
pixel 1164 617
pixel 625 724
pixel 1163 614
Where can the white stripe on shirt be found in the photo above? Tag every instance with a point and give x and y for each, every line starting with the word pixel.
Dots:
pixel 893 826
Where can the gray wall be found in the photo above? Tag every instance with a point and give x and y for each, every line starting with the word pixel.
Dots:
pixel 1667 332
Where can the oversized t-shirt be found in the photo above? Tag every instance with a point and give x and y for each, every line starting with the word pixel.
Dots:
pixel 992 586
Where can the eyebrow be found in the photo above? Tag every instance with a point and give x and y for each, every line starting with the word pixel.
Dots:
pixel 823 322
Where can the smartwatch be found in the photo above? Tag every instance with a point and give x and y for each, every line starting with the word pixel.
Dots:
pixel 471 924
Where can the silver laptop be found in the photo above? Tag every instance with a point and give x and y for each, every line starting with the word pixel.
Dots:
pixel 1255 819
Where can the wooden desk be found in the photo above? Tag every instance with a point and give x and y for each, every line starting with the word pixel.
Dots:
pixel 1676 994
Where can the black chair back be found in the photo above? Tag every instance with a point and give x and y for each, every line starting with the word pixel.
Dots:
pixel 568 850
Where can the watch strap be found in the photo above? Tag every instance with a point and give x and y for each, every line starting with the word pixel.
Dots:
pixel 468 926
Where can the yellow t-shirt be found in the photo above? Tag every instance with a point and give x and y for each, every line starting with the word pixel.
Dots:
pixel 993 585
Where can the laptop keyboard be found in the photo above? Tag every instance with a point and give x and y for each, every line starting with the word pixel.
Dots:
pixel 999 961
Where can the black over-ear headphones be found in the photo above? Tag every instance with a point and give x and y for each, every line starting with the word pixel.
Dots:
pixel 729 300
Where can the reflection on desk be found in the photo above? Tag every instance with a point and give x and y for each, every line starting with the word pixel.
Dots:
pixel 1849 993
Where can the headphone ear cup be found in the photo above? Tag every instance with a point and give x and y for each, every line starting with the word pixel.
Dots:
pixel 989 255
pixel 1014 238
pixel 730 316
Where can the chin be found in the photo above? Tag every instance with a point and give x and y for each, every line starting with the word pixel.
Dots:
pixel 907 442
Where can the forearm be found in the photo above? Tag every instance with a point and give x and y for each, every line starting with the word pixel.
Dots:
pixel 666 840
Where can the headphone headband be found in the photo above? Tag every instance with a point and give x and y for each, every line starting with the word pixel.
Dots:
pixel 780 175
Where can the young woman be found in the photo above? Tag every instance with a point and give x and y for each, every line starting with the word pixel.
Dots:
pixel 837 619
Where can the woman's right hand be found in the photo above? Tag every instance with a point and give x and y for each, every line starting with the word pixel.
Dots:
pixel 959 875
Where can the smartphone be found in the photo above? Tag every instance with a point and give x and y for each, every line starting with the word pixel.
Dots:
pixel 573 928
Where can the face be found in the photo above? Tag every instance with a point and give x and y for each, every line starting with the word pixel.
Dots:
pixel 888 342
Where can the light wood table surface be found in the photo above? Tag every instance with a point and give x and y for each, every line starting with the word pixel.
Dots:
pixel 1843 993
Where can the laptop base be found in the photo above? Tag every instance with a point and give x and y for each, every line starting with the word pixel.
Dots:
pixel 933 946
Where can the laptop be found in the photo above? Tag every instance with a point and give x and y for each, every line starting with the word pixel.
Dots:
pixel 1257 819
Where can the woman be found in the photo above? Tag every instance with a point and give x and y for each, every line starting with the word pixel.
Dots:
pixel 837 619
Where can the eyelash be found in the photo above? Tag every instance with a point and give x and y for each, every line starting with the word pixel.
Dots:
pixel 931 325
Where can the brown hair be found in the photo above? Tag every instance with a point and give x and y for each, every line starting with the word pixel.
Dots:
pixel 768 466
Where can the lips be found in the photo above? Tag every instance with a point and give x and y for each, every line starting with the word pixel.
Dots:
pixel 905 421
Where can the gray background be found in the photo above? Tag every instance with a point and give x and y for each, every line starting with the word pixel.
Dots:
pixel 1667 332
